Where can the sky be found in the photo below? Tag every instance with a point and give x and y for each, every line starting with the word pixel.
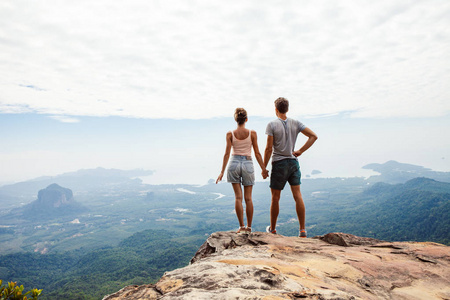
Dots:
pixel 154 84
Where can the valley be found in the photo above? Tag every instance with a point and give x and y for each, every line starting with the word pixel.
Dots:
pixel 120 231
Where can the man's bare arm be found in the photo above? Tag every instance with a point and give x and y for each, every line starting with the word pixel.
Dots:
pixel 267 155
pixel 312 138
pixel 268 151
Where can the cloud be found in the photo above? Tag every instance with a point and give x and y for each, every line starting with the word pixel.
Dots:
pixel 153 59
pixel 65 119
pixel 31 87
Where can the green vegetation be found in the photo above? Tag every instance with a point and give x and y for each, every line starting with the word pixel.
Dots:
pixel 415 211
pixel 133 233
pixel 140 259
pixel 12 291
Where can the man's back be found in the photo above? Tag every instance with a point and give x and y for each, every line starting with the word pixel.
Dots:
pixel 284 134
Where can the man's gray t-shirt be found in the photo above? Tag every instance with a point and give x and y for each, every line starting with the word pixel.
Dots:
pixel 284 134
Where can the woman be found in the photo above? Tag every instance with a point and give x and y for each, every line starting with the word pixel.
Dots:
pixel 240 170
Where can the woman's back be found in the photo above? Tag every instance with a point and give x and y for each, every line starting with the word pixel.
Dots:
pixel 241 133
pixel 241 142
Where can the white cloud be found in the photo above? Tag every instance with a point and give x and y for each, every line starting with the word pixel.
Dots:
pixel 65 119
pixel 174 59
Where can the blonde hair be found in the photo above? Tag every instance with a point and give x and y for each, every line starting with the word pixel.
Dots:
pixel 240 115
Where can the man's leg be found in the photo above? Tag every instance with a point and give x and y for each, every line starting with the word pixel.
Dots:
pixel 274 208
pixel 299 205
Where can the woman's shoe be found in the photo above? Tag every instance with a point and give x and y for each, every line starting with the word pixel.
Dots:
pixel 248 230
pixel 241 230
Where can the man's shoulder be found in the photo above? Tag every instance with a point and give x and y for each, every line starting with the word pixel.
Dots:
pixel 272 123
pixel 293 120
pixel 278 122
pixel 297 122
pixel 271 127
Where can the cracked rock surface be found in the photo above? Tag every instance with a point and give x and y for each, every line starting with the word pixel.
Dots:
pixel 333 266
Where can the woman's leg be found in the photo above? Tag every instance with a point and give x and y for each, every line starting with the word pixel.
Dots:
pixel 238 203
pixel 248 204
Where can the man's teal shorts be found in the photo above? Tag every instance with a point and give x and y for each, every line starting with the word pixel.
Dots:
pixel 286 170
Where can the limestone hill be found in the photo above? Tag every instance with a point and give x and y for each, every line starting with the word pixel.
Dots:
pixel 334 266
pixel 53 201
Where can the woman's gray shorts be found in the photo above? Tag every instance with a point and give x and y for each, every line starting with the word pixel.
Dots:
pixel 240 170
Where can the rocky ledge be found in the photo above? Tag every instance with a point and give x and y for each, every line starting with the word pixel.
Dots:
pixel 334 266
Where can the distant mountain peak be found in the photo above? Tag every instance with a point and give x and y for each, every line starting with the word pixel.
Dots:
pixel 420 180
pixel 54 186
pixel 53 202
pixel 393 165
pixel 54 196
pixel 395 172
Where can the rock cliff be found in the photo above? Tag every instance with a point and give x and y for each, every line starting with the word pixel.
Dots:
pixel 54 196
pixel 52 202
pixel 334 266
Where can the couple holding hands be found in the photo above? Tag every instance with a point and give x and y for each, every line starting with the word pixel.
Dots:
pixel 281 137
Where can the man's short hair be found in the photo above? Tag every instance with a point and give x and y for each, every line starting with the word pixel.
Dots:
pixel 282 104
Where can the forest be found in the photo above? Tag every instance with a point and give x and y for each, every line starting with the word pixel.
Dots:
pixel 139 259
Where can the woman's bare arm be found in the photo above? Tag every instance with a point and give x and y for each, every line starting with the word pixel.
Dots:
pixel 226 156
pixel 256 150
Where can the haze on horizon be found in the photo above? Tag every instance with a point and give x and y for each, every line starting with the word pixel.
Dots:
pixel 153 84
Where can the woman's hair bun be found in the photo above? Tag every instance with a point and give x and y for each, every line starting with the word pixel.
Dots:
pixel 240 115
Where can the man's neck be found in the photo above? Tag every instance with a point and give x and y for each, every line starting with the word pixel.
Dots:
pixel 282 116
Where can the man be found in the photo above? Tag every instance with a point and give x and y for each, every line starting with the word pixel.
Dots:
pixel 281 137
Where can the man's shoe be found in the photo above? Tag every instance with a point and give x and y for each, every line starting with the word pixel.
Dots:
pixel 269 230
pixel 302 233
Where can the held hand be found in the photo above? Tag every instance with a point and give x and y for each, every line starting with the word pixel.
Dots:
pixel 219 178
pixel 265 174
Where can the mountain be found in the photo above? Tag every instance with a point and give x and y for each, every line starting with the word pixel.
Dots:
pixel 395 172
pixel 54 196
pixel 101 180
pixel 333 266
pixel 417 210
pixel 84 179
pixel 53 201
pixel 418 184
pixel 81 181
